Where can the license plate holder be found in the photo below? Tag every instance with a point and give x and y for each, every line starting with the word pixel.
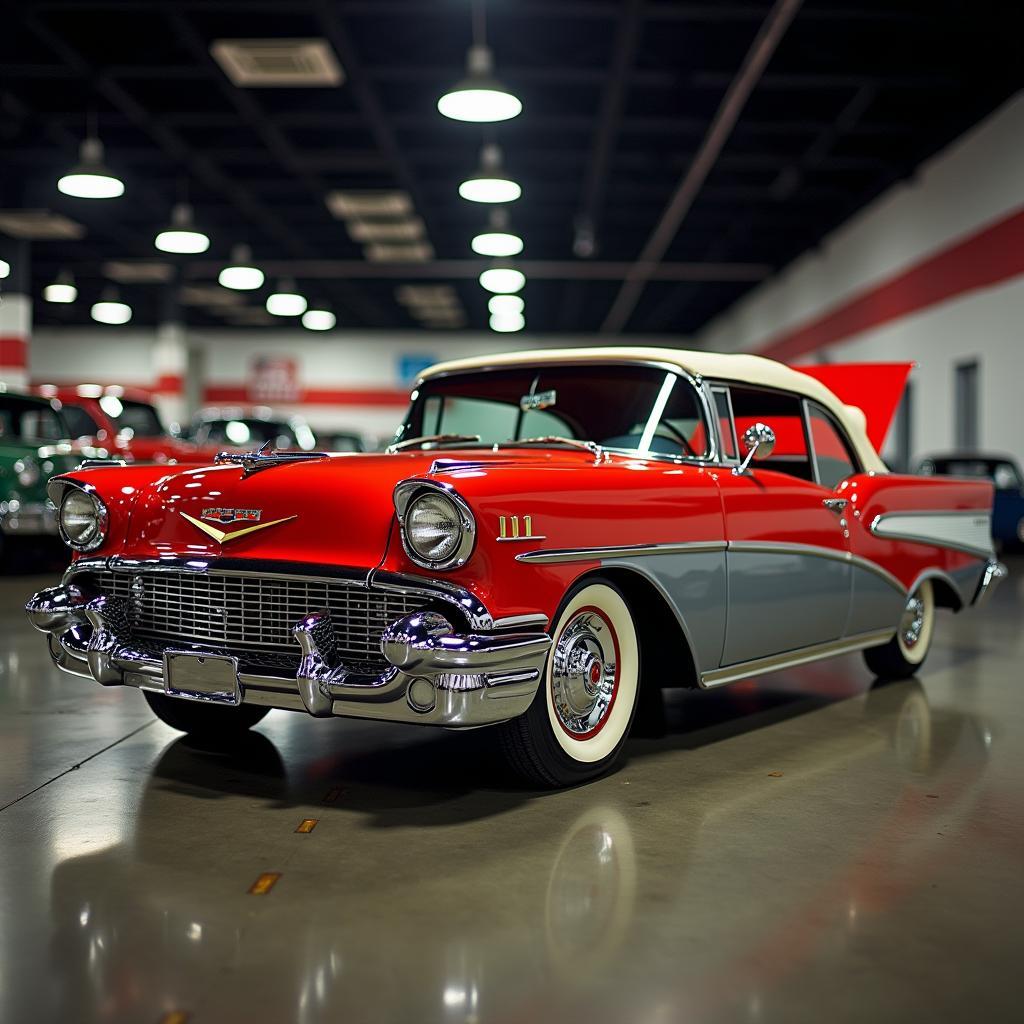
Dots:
pixel 193 675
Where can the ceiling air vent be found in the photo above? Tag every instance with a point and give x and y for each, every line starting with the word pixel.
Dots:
pixel 137 272
pixel 281 63
pixel 368 204
pixel 39 225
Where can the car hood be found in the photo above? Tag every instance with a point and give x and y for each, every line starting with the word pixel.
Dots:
pixel 337 510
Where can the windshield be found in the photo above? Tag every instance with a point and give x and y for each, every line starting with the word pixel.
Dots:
pixel 635 408
pixel 255 432
pixel 133 419
pixel 23 419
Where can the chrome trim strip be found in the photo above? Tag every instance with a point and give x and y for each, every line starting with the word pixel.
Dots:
pixel 813 550
pixel 530 619
pixel 622 551
pixel 790 659
pixel 887 526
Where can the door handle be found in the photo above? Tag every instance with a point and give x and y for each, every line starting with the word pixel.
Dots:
pixel 835 504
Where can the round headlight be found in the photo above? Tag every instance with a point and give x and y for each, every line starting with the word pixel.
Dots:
pixel 83 520
pixel 438 532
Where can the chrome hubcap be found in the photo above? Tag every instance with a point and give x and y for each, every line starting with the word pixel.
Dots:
pixel 584 673
pixel 912 622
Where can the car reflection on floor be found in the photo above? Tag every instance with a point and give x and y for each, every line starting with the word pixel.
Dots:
pixel 529 919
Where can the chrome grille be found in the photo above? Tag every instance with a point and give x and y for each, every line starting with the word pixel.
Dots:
pixel 252 616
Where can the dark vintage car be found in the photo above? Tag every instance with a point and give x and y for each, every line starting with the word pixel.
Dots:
pixel 34 445
pixel 1006 477
pixel 551 535
pixel 240 429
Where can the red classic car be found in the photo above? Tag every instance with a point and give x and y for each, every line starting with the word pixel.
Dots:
pixel 125 422
pixel 551 534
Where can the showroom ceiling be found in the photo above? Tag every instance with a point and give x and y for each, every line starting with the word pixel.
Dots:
pixel 618 97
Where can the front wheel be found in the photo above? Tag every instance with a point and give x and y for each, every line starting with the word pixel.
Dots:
pixel 904 654
pixel 579 720
pixel 211 721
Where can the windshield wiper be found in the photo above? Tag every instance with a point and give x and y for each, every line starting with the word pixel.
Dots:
pixel 589 446
pixel 436 439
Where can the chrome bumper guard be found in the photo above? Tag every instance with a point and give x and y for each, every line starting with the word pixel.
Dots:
pixel 995 572
pixel 435 676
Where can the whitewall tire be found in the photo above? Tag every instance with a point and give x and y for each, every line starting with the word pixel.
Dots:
pixel 904 654
pixel 585 705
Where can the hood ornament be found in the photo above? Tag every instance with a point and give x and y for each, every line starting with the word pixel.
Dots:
pixel 253 462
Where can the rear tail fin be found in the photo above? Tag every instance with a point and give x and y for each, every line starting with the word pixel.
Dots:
pixel 874 388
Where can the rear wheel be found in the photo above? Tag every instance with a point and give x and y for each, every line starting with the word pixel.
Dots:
pixel 904 654
pixel 579 720
pixel 211 721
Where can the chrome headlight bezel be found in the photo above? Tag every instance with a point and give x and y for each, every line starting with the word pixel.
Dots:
pixel 101 518
pixel 407 494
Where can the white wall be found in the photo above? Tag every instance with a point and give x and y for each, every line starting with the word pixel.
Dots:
pixel 976 182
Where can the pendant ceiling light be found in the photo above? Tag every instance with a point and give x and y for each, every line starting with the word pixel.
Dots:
pixel 502 305
pixel 489 183
pixel 5 269
pixel 240 274
pixel 479 97
pixel 286 301
pixel 62 290
pixel 110 309
pixel 498 241
pixel 502 278
pixel 181 236
pixel 318 319
pixel 506 323
pixel 90 178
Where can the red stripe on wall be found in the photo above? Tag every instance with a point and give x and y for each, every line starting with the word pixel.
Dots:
pixel 993 254
pixel 218 394
pixel 13 353
pixel 169 384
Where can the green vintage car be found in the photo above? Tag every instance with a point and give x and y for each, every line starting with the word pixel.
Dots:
pixel 34 445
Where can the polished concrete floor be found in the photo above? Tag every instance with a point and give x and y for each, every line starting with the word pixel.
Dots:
pixel 805 848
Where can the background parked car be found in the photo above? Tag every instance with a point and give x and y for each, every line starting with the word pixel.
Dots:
pixel 124 421
pixel 34 445
pixel 341 441
pixel 1005 474
pixel 244 429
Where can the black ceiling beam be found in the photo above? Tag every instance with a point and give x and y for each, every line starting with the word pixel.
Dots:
pixel 761 51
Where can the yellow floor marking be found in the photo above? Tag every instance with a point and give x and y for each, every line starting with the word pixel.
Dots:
pixel 307 825
pixel 264 883
pixel 174 1017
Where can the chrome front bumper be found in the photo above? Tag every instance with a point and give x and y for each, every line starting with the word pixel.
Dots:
pixel 34 519
pixel 435 676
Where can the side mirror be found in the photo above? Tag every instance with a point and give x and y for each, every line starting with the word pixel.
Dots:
pixel 759 441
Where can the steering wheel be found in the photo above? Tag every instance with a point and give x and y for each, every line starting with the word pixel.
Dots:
pixel 678 435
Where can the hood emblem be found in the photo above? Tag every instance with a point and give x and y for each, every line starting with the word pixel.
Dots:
pixel 232 515
pixel 223 536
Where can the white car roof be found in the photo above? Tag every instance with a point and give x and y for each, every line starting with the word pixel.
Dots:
pixel 740 367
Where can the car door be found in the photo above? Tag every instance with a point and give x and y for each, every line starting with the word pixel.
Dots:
pixel 789 578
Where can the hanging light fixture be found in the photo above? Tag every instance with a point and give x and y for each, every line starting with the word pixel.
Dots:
pixel 240 274
pixel 318 319
pixel 286 301
pixel 5 269
pixel 503 305
pixel 489 183
pixel 505 323
pixel 90 178
pixel 479 97
pixel 498 241
pixel 502 278
pixel 182 236
pixel 62 290
pixel 110 309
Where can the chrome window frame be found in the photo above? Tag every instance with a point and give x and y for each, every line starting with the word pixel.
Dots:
pixel 711 457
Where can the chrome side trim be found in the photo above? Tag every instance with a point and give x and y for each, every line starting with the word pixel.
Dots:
pixel 813 550
pixel 530 619
pixel 995 573
pixel 967 530
pixel 600 554
pixel 790 659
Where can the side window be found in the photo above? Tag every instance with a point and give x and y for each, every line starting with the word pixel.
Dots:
pixel 832 453
pixel 784 414
pixel 724 412
pixel 80 423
